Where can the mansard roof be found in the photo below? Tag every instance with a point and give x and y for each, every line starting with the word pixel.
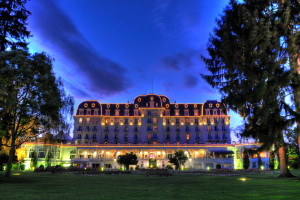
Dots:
pixel 159 101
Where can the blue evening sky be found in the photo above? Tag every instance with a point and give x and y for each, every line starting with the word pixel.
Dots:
pixel 110 50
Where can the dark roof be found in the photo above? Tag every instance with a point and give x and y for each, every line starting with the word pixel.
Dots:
pixel 160 101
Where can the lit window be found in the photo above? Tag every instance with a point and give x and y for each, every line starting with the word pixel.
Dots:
pixel 176 112
pixel 117 121
pixel 80 120
pixel 154 120
pixel 208 128
pixel 95 120
pixel 117 113
pixel 88 120
pixel 187 136
pixel 195 112
pixel 155 128
pixel 186 120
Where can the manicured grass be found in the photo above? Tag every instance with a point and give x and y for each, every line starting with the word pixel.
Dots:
pixel 30 185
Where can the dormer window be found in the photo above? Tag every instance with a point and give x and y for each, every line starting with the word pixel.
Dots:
pixel 96 112
pixel 207 112
pixel 215 112
pixel 126 113
pixel 156 104
pixel 186 112
pixel 88 112
pixel 167 112
pixel 107 112
pixel 221 112
pixel 136 112
pixel 176 112
pixel 117 113
pixel 195 112
pixel 81 112
pixel 151 104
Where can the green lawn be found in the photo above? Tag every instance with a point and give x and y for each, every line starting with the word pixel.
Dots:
pixel 28 185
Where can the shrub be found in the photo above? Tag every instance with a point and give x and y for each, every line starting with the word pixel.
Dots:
pixel 22 167
pixel 169 167
pixel 218 166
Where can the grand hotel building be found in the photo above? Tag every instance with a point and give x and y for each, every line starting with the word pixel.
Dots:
pixel 153 128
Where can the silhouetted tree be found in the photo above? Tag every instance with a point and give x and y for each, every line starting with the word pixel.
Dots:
pixel 178 159
pixel 33 98
pixel 254 63
pixel 13 22
pixel 127 159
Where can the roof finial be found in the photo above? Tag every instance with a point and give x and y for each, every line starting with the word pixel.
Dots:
pixel 152 85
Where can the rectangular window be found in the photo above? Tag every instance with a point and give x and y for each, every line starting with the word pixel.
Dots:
pixel 168 121
pixel 149 128
pixel 79 136
pixel 94 136
pixel 176 112
pixel 209 136
pixel 169 155
pixel 195 112
pixel 94 128
pixel 155 128
pixel 87 128
pixel 96 112
pixel 80 128
pixel 106 137
pixel 167 112
pixel 126 112
pixel 136 113
pixel 80 120
pixel 208 128
pixel 187 136
pixel 149 113
pixel 207 112
pixel 154 120
pixel 107 112
pixel 186 113
pixel 117 121
pixel 88 112
pixel 136 121
pixel 196 121
pixel 215 112
pixel 95 120
pixel 224 136
pixel 126 121
pixel 177 121
pixel 88 120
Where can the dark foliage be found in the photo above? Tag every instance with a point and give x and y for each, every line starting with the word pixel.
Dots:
pixel 127 159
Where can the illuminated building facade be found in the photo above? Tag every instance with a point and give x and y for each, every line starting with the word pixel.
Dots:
pixel 153 128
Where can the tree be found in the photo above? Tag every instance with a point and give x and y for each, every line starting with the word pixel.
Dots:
pixel 33 98
pixel 178 159
pixel 127 159
pixel 252 61
pixel 13 22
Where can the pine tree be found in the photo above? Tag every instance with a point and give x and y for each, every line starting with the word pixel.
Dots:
pixel 13 22
pixel 250 62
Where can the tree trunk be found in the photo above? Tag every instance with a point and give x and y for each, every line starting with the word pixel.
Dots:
pixel 11 156
pixel 284 171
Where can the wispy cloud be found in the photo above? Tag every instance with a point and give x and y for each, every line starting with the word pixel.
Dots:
pixel 100 75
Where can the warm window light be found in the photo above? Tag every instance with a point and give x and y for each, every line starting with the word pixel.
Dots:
pixel 140 123
pixel 103 124
pixel 172 123
pixel 164 123
pixel 192 124
pixel 208 168
pixel 112 123
pixel 121 124
pixel 131 124
pixel 182 123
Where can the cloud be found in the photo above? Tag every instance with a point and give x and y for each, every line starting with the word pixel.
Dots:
pixel 180 60
pixel 54 28
pixel 190 81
